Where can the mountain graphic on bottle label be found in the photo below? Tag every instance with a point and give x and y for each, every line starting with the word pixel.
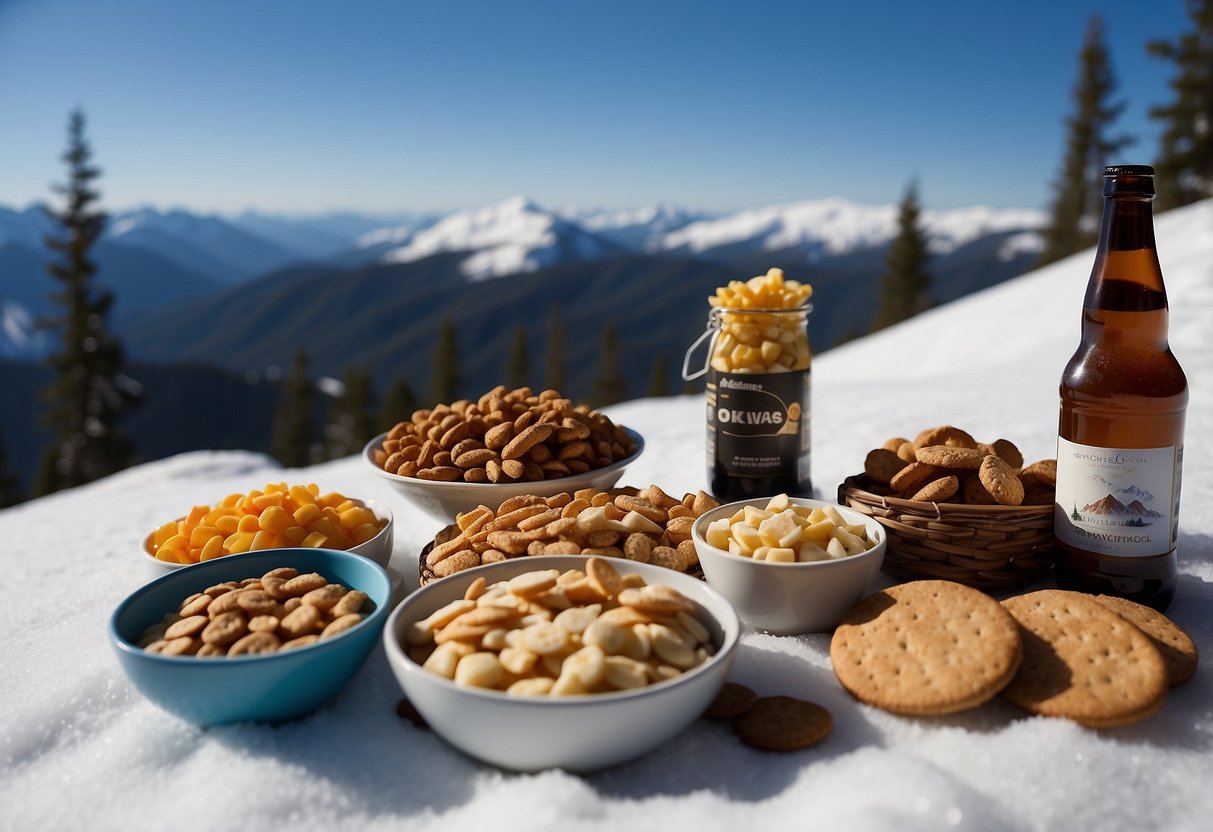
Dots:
pixel 1106 498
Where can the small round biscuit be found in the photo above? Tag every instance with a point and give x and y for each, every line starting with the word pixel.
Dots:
pixel 881 464
pixel 1005 450
pixel 783 723
pixel 906 451
pixel 913 477
pixel 1043 472
pixel 943 456
pixel 732 701
pixel 975 493
pixel 894 443
pixel 1083 662
pixel 1176 647
pixel 948 435
pixel 938 490
pixel 1001 482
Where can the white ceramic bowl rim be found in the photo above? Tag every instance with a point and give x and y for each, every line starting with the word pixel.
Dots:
pixel 381 511
pixel 457 485
pixel 728 644
pixel 279 655
pixel 876 533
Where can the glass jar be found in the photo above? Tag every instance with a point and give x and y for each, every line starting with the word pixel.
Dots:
pixel 758 425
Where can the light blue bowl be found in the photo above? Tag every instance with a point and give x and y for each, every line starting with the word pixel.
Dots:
pixel 261 688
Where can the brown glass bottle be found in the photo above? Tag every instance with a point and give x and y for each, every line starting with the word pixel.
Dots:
pixel 1123 398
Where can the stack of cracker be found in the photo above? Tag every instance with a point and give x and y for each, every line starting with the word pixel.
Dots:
pixel 929 648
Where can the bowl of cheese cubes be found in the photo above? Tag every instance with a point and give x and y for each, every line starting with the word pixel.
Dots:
pixel 278 516
pixel 789 564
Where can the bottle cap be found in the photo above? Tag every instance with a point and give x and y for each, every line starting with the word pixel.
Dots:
pixel 1128 170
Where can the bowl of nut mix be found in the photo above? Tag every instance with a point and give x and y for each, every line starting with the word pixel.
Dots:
pixel 789 565
pixel 265 637
pixel 275 517
pixel 641 525
pixel 453 457
pixel 565 661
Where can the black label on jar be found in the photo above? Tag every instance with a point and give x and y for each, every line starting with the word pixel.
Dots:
pixel 758 425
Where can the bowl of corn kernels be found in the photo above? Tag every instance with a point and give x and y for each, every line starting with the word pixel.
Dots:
pixel 278 516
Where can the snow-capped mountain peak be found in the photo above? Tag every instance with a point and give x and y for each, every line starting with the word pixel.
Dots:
pixel 515 235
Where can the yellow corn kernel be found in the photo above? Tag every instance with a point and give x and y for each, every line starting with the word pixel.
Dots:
pixel 330 513
pixel 306 513
pixel 345 505
pixel 201 534
pixel 275 488
pixel 196 514
pixel 238 542
pixel 361 534
pixel 263 540
pixel 164 533
pixel 301 495
pixel 331 500
pixel 315 540
pixel 356 516
pixel 230 500
pixel 177 542
pixel 227 525
pixel 213 548
pixel 266 500
pixel 314 489
pixel 276 520
pixel 294 535
pixel 249 523
pixel 192 555
pixel 166 555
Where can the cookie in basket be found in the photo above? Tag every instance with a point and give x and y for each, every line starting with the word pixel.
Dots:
pixel 926 648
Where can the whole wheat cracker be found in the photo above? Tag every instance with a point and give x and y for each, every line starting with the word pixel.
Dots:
pixel 926 648
pixel 1083 662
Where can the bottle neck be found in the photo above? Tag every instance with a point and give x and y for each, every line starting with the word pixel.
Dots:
pixel 1126 301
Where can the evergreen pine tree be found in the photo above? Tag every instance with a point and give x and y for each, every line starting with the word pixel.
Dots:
pixel 554 374
pixel 904 284
pixel 444 381
pixel 1185 161
pixel 398 404
pixel 1077 193
pixel 10 488
pixel 291 442
pixel 609 385
pixel 88 392
pixel 517 362
pixel 659 377
pixel 351 424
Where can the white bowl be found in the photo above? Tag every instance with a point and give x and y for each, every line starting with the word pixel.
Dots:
pixel 790 598
pixel 443 500
pixel 378 548
pixel 575 733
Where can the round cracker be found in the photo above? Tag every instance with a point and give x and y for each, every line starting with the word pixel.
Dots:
pixel 948 435
pixel 1176 647
pixel 783 723
pixel 926 648
pixel 881 464
pixel 732 701
pixel 1083 662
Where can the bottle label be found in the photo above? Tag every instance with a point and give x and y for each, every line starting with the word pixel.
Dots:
pixel 758 424
pixel 1117 501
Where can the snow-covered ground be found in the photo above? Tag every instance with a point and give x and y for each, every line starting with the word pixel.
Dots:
pixel 80 747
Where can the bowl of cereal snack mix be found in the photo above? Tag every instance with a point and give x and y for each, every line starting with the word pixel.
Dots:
pixel 564 661
pixel 789 564
pixel 453 457
pixel 265 637
pixel 275 517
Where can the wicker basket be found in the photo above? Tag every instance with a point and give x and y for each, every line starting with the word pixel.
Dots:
pixel 992 548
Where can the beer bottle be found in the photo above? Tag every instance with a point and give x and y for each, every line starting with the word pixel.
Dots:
pixel 1123 397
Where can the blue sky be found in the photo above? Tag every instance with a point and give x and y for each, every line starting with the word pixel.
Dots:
pixel 382 107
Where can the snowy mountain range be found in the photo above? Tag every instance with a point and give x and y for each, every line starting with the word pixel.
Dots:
pixel 1131 492
pixel 150 257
